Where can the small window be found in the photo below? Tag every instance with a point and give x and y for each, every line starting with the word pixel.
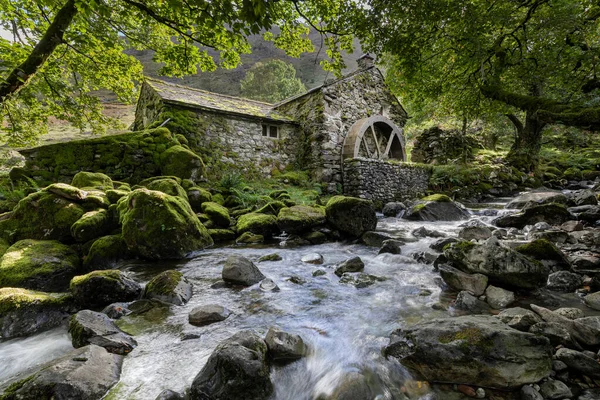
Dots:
pixel 271 131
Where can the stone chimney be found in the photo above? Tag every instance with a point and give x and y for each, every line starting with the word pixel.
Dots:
pixel 366 61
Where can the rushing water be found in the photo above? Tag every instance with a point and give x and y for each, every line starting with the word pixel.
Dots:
pixel 345 327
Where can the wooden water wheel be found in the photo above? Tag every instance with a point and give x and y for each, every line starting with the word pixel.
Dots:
pixel 375 138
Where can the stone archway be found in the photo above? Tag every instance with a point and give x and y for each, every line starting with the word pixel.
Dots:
pixel 376 138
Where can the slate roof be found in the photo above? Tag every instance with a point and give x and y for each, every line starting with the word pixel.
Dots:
pixel 201 99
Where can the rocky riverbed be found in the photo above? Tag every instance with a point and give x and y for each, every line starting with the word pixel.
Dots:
pixel 443 302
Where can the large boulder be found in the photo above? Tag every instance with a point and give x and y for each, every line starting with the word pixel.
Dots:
pixel 105 253
pixel 92 180
pixel 167 185
pixel 283 346
pixel 217 213
pixel 437 207
pixel 24 312
pixel 45 265
pixel 552 213
pixel 91 225
pixel 90 327
pixel 300 219
pixel 169 287
pixel 237 369
pixel 100 288
pixel 540 197
pixel 159 226
pixel 458 280
pixel 258 224
pixel 351 216
pixel 181 162
pixel 472 350
pixel 84 374
pixel 238 270
pixel 502 265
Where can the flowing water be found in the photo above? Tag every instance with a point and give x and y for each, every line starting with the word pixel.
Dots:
pixel 345 327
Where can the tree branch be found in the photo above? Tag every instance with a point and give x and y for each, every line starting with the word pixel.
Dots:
pixel 516 122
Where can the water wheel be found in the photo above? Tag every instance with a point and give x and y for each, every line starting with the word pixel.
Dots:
pixel 374 138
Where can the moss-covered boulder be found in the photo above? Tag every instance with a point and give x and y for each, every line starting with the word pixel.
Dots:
pixel 300 219
pixel 24 312
pixel 42 215
pixel 552 213
pixel 197 196
pixel 168 186
pixel 271 207
pixel 436 207
pixel 159 226
pixel 169 287
pixel 100 288
pixel 249 238
pixel 114 195
pixel 91 327
pixel 106 252
pixel 221 235
pixel 350 215
pixel 92 180
pixel 181 162
pixel 217 213
pixel 259 224
pixel 545 251
pixel 45 265
pixel 91 225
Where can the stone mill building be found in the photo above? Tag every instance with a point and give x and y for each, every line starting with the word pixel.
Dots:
pixel 353 117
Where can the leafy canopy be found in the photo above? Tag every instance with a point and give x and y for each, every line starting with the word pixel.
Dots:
pixel 271 82
pixel 62 51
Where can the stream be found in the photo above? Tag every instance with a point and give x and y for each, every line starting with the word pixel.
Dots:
pixel 345 327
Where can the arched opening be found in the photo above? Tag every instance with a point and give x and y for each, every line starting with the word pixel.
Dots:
pixel 374 138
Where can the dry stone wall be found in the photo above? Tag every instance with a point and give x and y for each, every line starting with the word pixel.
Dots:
pixel 384 181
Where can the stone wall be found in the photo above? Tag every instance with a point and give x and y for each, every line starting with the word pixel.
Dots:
pixel 384 181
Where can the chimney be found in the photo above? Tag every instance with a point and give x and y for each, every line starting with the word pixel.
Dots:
pixel 366 61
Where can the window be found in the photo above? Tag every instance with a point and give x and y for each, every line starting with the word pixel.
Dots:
pixel 271 131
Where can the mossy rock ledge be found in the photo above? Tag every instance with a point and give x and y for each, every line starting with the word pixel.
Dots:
pixel 25 312
pixel 300 219
pixel 258 224
pixel 92 180
pixel 552 213
pixel 159 226
pixel 45 265
pixel 169 287
pixel 351 216
pixel 100 288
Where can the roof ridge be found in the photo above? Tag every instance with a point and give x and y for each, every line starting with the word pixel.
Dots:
pixel 148 78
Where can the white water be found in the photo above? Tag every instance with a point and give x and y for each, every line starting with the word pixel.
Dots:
pixel 346 328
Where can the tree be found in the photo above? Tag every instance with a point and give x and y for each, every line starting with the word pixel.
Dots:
pixel 271 82
pixel 64 50
pixel 534 60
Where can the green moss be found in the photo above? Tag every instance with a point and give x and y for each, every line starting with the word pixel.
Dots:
pixel 110 274
pixel 315 237
pixel 271 207
pixel 217 213
pixel 417 208
pixel 541 249
pixel 249 238
pixel 298 219
pixel 260 224
pixel 182 162
pixel 163 284
pixel 470 338
pixel 10 392
pixel 297 178
pixel 12 299
pixel 573 174
pixel 463 246
pixel 91 225
pixel 221 235
pixel 440 198
pixel 114 195
pixel 168 186
pixel 94 180
pixel 218 198
pixel 105 252
pixel 270 257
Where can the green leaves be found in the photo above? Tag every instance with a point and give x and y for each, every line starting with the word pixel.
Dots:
pixel 271 82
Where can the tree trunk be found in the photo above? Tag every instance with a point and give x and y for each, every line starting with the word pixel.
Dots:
pixel 19 76
pixel 524 153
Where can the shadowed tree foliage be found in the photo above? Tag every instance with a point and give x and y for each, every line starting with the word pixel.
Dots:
pixel 271 82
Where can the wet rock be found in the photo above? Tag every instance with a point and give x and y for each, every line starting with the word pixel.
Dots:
pixel 86 373
pixel 437 208
pixel 458 280
pixel 499 298
pixel 475 232
pixel 319 272
pixel 249 238
pixel 116 310
pixel 353 386
pixel 221 235
pixel 424 257
pixel 564 281
pixel 316 237
pixel 283 346
pixel 91 225
pixel 354 264
pixel 237 369
pixel 312 258
pixel 557 333
pixel 375 239
pixel 546 252
pixel 391 246
pixel 197 196
pixel 350 215
pixel 473 350
pixel 579 362
pixel 467 302
pixel 160 226
pixel 592 300
pixel 99 288
pixel 169 287
pixel 439 245
pixel 293 242
pixel 208 314
pixel 90 327
pixel 25 312
pixel 591 215
pixel 393 209
pixel 539 197
pixel 217 213
pixel 519 318
pixel 553 236
pixel 584 197
pixel 529 393
pixel 270 257
pixel 555 390
pixel 168 394
pixel 105 253
pixel 238 270
pixel 300 219
pixel 590 394
pixel 423 232
pixel 554 214
pixel 580 330
pixel 268 285
pixel 570 312
pixel 502 265
pixel 572 226
pixel 295 279
pixel 45 265
pixel 361 280
pixel 585 262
